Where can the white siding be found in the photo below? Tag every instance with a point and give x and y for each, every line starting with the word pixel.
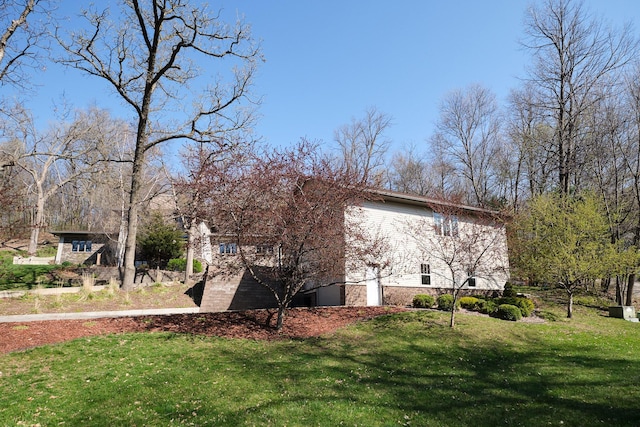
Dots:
pixel 403 256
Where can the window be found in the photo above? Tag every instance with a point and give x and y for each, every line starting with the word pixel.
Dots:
pixel 81 246
pixel 425 272
pixel 228 248
pixel 471 281
pixel 264 249
pixel 445 225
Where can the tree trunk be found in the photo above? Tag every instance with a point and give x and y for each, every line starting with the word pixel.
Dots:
pixel 37 224
pixel 188 271
pixel 452 321
pixel 122 239
pixel 282 309
pixel 570 305
pixel 618 291
pixel 630 284
pixel 128 279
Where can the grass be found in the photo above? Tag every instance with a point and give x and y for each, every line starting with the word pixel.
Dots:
pixel 107 299
pixel 21 277
pixel 407 369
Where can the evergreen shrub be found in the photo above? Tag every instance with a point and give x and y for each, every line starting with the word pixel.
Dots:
pixel 525 305
pixel 486 306
pixel 508 312
pixel 180 264
pixel 469 303
pixel 445 302
pixel 508 290
pixel 423 301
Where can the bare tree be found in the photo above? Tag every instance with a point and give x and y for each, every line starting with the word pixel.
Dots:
pixel 188 193
pixel 19 38
pixel 409 172
pixel 573 57
pixel 363 145
pixel 155 58
pixel 469 244
pixel 529 140
pixel 291 205
pixel 468 137
pixel 627 149
pixel 12 192
pixel 67 152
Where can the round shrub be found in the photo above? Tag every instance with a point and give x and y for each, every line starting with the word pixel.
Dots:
pixel 486 306
pixel 180 264
pixel 423 301
pixel 508 312
pixel 470 303
pixel 525 305
pixel 445 302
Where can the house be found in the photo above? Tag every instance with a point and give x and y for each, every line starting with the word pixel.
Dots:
pixel 84 247
pixel 422 246
pixel 432 246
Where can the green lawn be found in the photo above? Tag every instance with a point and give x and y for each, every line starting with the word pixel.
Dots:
pixel 406 369
pixel 21 277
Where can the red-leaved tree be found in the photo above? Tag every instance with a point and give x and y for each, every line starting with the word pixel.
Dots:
pixel 288 204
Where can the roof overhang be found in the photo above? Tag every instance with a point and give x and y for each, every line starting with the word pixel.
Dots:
pixel 427 202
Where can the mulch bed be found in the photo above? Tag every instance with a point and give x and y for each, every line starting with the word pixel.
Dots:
pixel 254 324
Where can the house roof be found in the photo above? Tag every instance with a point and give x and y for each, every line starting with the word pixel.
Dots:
pixel 79 232
pixel 411 199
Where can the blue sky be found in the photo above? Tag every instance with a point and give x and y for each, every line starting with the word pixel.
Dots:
pixel 327 61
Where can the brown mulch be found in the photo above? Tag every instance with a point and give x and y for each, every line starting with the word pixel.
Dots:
pixel 299 323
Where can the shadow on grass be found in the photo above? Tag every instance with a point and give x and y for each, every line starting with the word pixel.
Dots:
pixel 435 377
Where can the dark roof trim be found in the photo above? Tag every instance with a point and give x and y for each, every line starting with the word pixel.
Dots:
pixel 77 232
pixel 410 199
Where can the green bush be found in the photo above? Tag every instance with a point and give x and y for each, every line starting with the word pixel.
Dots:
pixel 445 302
pixel 180 264
pixel 525 305
pixel 470 303
pixel 509 291
pixel 486 306
pixel 508 312
pixel 423 301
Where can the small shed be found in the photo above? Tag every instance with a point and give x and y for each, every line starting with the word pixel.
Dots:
pixel 83 247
